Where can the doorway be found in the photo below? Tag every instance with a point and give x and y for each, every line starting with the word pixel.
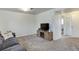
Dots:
pixel 66 29
pixel 62 26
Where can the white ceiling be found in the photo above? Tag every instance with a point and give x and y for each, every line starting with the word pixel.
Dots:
pixel 33 11
pixel 71 10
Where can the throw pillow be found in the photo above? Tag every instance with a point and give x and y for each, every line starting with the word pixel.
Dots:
pixel 7 35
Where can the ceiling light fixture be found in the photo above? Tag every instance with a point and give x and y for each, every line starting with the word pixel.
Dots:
pixel 25 9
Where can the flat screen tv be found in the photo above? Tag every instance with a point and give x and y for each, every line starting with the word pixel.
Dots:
pixel 44 26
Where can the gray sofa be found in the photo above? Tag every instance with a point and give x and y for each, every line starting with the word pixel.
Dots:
pixel 10 44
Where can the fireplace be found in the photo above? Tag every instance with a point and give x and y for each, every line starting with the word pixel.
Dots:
pixel 44 32
pixel 44 26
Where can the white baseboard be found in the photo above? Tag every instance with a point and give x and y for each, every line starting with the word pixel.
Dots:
pixel 25 35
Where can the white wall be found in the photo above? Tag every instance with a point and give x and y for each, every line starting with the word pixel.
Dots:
pixel 75 23
pixel 21 24
pixel 71 25
pixel 54 21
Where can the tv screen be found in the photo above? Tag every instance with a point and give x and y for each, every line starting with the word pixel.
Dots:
pixel 44 26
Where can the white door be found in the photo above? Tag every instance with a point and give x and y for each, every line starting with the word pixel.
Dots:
pixel 67 25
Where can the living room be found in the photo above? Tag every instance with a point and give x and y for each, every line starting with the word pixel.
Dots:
pixel 25 24
pixel 39 29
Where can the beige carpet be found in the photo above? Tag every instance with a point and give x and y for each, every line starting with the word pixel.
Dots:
pixel 34 43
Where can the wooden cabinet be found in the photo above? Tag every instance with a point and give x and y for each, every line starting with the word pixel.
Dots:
pixel 45 34
pixel 48 35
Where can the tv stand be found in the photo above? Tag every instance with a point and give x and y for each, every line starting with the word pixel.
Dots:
pixel 45 34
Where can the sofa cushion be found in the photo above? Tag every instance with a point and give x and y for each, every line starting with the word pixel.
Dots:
pixel 9 42
pixel 7 35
